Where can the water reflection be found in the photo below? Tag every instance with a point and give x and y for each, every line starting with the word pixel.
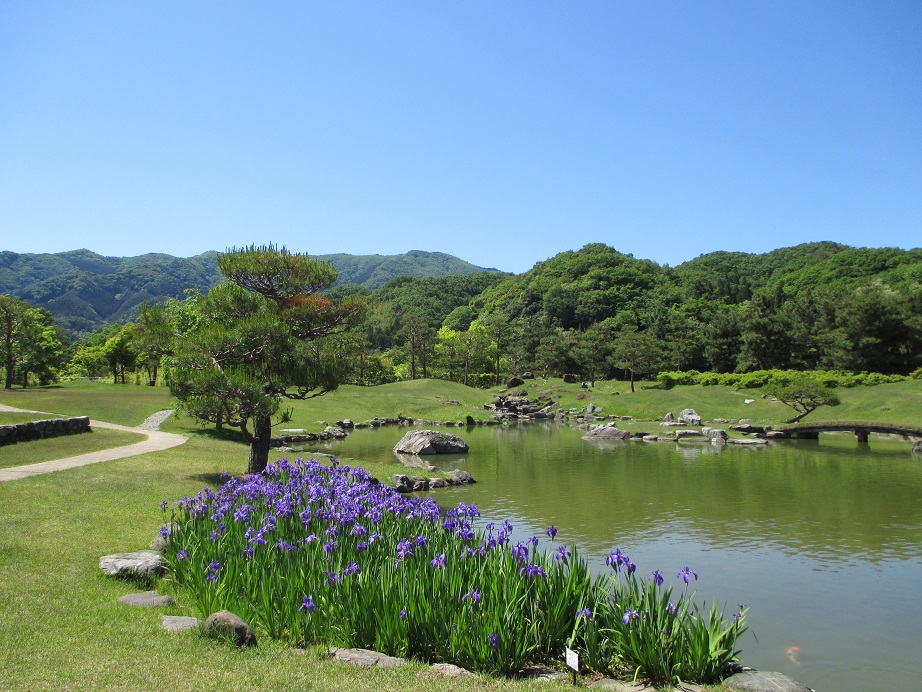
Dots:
pixel 823 539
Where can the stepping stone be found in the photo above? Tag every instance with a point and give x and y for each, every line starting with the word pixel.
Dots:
pixel 366 658
pixel 544 673
pixel 757 681
pixel 450 670
pixel 179 623
pixel 147 599
pixel 627 686
pixel 142 563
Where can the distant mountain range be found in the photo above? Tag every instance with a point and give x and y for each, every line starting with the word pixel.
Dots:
pixel 84 290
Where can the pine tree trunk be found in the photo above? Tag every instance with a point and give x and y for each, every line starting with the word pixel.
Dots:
pixel 259 447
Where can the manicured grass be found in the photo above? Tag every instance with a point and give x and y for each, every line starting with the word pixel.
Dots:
pixel 35 451
pixel 429 400
pixel 61 626
pixel 13 418
pixel 124 404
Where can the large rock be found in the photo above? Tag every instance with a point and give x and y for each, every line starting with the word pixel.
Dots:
pixel 459 477
pixel 514 382
pixel 141 563
pixel 430 442
pixel 689 417
pixel 609 431
pixel 748 429
pixel 917 447
pixel 225 624
pixel 715 434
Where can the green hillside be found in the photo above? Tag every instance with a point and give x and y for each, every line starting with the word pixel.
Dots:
pixel 84 290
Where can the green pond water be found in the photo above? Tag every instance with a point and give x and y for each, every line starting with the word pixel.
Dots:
pixel 823 540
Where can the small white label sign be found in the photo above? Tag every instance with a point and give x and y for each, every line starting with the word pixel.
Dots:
pixel 572 660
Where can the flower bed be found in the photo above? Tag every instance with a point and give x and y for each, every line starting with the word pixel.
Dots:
pixel 326 554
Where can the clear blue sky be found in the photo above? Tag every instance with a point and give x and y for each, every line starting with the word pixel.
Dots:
pixel 501 132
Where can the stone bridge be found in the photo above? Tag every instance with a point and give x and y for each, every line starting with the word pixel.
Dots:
pixel 811 431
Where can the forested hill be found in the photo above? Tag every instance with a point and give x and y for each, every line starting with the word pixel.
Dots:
pixel 84 290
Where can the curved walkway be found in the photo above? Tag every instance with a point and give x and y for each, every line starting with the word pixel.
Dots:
pixel 156 441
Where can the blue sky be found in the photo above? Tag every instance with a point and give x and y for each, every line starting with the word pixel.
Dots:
pixel 500 132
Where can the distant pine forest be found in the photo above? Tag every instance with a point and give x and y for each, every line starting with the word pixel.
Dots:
pixel 595 313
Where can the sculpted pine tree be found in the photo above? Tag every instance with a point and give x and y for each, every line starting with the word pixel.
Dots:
pixel 251 346
pixel 805 395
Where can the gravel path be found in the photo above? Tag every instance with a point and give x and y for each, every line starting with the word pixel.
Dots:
pixel 156 441
pixel 153 421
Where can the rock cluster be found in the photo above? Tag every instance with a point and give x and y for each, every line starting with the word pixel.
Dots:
pixel 606 431
pixel 43 429
pixel 414 484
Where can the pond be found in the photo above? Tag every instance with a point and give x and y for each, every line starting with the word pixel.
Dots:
pixel 823 540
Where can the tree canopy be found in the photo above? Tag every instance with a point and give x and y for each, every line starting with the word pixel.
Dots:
pixel 251 346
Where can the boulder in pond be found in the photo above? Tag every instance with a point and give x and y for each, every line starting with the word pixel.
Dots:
pixel 608 431
pixel 459 477
pixel 430 442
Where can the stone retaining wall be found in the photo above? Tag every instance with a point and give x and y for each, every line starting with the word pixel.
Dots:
pixel 43 429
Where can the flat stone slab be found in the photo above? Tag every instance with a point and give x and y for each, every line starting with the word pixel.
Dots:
pixel 544 673
pixel 142 563
pixel 640 686
pixel 148 599
pixel 757 681
pixel 179 623
pixel 449 670
pixel 366 658
pixel 748 442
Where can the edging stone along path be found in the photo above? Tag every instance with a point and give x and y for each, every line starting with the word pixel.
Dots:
pixel 156 442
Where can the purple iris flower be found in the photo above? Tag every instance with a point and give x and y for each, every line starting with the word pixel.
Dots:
pixel 584 613
pixel 308 604
pixel 473 595
pixel 213 570
pixel 562 553
pixel 520 552
pixel 686 575
pixel 629 615
pixel 493 639
pixel 552 531
pixel 403 613
pixel 181 555
pixel 438 562
pixel 657 577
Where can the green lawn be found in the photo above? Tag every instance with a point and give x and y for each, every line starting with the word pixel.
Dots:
pixel 122 404
pixel 35 451
pixel 60 624
pixel 62 628
pixel 13 418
